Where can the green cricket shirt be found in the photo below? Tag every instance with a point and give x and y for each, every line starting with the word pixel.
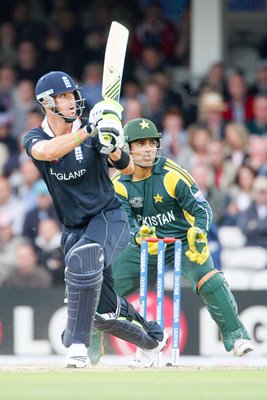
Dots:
pixel 168 199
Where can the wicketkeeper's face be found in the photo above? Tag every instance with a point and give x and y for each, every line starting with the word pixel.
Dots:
pixel 144 152
pixel 66 104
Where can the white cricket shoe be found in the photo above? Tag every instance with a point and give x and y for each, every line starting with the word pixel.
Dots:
pixel 77 356
pixel 146 358
pixel 242 347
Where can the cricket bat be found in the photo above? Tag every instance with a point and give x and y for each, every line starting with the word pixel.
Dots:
pixel 114 61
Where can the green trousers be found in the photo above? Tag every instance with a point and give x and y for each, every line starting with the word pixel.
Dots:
pixel 205 281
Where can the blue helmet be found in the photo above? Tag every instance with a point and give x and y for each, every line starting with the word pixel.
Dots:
pixel 53 84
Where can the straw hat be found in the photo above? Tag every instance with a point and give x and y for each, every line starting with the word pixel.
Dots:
pixel 212 101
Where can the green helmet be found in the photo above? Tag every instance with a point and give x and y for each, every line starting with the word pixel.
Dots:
pixel 140 128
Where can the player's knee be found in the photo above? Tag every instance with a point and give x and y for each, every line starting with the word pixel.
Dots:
pixel 210 282
pixel 84 266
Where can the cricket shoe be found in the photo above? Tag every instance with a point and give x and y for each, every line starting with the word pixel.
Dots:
pixel 77 356
pixel 96 348
pixel 242 347
pixel 146 358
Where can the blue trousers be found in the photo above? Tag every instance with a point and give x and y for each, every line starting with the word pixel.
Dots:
pixel 110 229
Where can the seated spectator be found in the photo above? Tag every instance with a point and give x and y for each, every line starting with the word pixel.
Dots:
pixel 204 179
pixel 198 140
pixel 49 250
pixel 11 206
pixel 258 125
pixel 24 182
pixel 91 87
pixel 7 44
pixel 223 172
pixel 154 103
pixel 257 154
pixel 239 196
pixel 150 62
pixel 154 30
pixel 44 209
pixel 210 113
pixel 215 80
pixel 253 221
pixel 8 246
pixel 7 85
pixel 174 138
pixel 132 109
pixel 260 86
pixel 27 272
pixel 236 142
pixel 239 103
pixel 27 66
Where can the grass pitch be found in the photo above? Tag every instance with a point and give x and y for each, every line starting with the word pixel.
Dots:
pixel 112 384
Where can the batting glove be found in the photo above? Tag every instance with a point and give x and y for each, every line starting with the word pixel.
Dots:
pixel 198 245
pixel 110 135
pixel 147 232
pixel 105 109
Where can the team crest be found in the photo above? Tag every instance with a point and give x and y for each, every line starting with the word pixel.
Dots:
pixel 136 202
pixel 158 198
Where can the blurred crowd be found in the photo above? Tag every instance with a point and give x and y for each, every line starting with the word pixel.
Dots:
pixel 217 131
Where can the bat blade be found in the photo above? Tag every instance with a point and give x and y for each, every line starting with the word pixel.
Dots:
pixel 114 61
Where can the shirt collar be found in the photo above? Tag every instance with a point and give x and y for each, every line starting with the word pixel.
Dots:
pixel 46 128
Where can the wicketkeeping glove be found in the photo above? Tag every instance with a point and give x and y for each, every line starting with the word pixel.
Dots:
pixel 147 232
pixel 198 245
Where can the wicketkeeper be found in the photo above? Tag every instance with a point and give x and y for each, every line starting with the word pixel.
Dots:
pixel 162 200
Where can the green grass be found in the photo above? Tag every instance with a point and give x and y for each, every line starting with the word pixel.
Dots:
pixel 213 384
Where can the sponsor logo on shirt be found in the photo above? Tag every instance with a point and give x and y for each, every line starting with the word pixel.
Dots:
pixel 136 202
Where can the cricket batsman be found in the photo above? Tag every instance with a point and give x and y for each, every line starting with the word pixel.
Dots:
pixel 73 155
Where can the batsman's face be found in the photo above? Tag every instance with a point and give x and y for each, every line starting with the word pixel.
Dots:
pixel 66 104
pixel 144 152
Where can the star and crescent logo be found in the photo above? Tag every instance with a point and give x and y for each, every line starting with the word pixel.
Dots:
pixel 158 198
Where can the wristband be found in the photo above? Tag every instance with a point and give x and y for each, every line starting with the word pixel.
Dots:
pixel 123 162
pixel 77 137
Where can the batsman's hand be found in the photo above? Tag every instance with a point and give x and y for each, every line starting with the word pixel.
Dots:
pixel 198 245
pixel 147 232
pixel 106 117
pixel 106 109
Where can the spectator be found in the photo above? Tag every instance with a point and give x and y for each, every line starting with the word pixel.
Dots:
pixel 8 246
pixel 215 80
pixel 154 30
pixel 253 221
pixel 211 107
pixel 49 249
pixel 258 125
pixel 236 142
pixel 132 109
pixel 257 154
pixel 23 103
pixel 7 44
pixel 260 86
pixel 25 180
pixel 223 172
pixel 150 62
pixel 154 104
pixel 27 66
pixel 7 85
pixel 174 138
pixel 92 84
pixel 239 103
pixel 198 140
pixel 27 273
pixel 43 210
pixel 239 196
pixel 11 206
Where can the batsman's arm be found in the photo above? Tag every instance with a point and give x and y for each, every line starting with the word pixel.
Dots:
pixel 122 161
pixel 59 146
